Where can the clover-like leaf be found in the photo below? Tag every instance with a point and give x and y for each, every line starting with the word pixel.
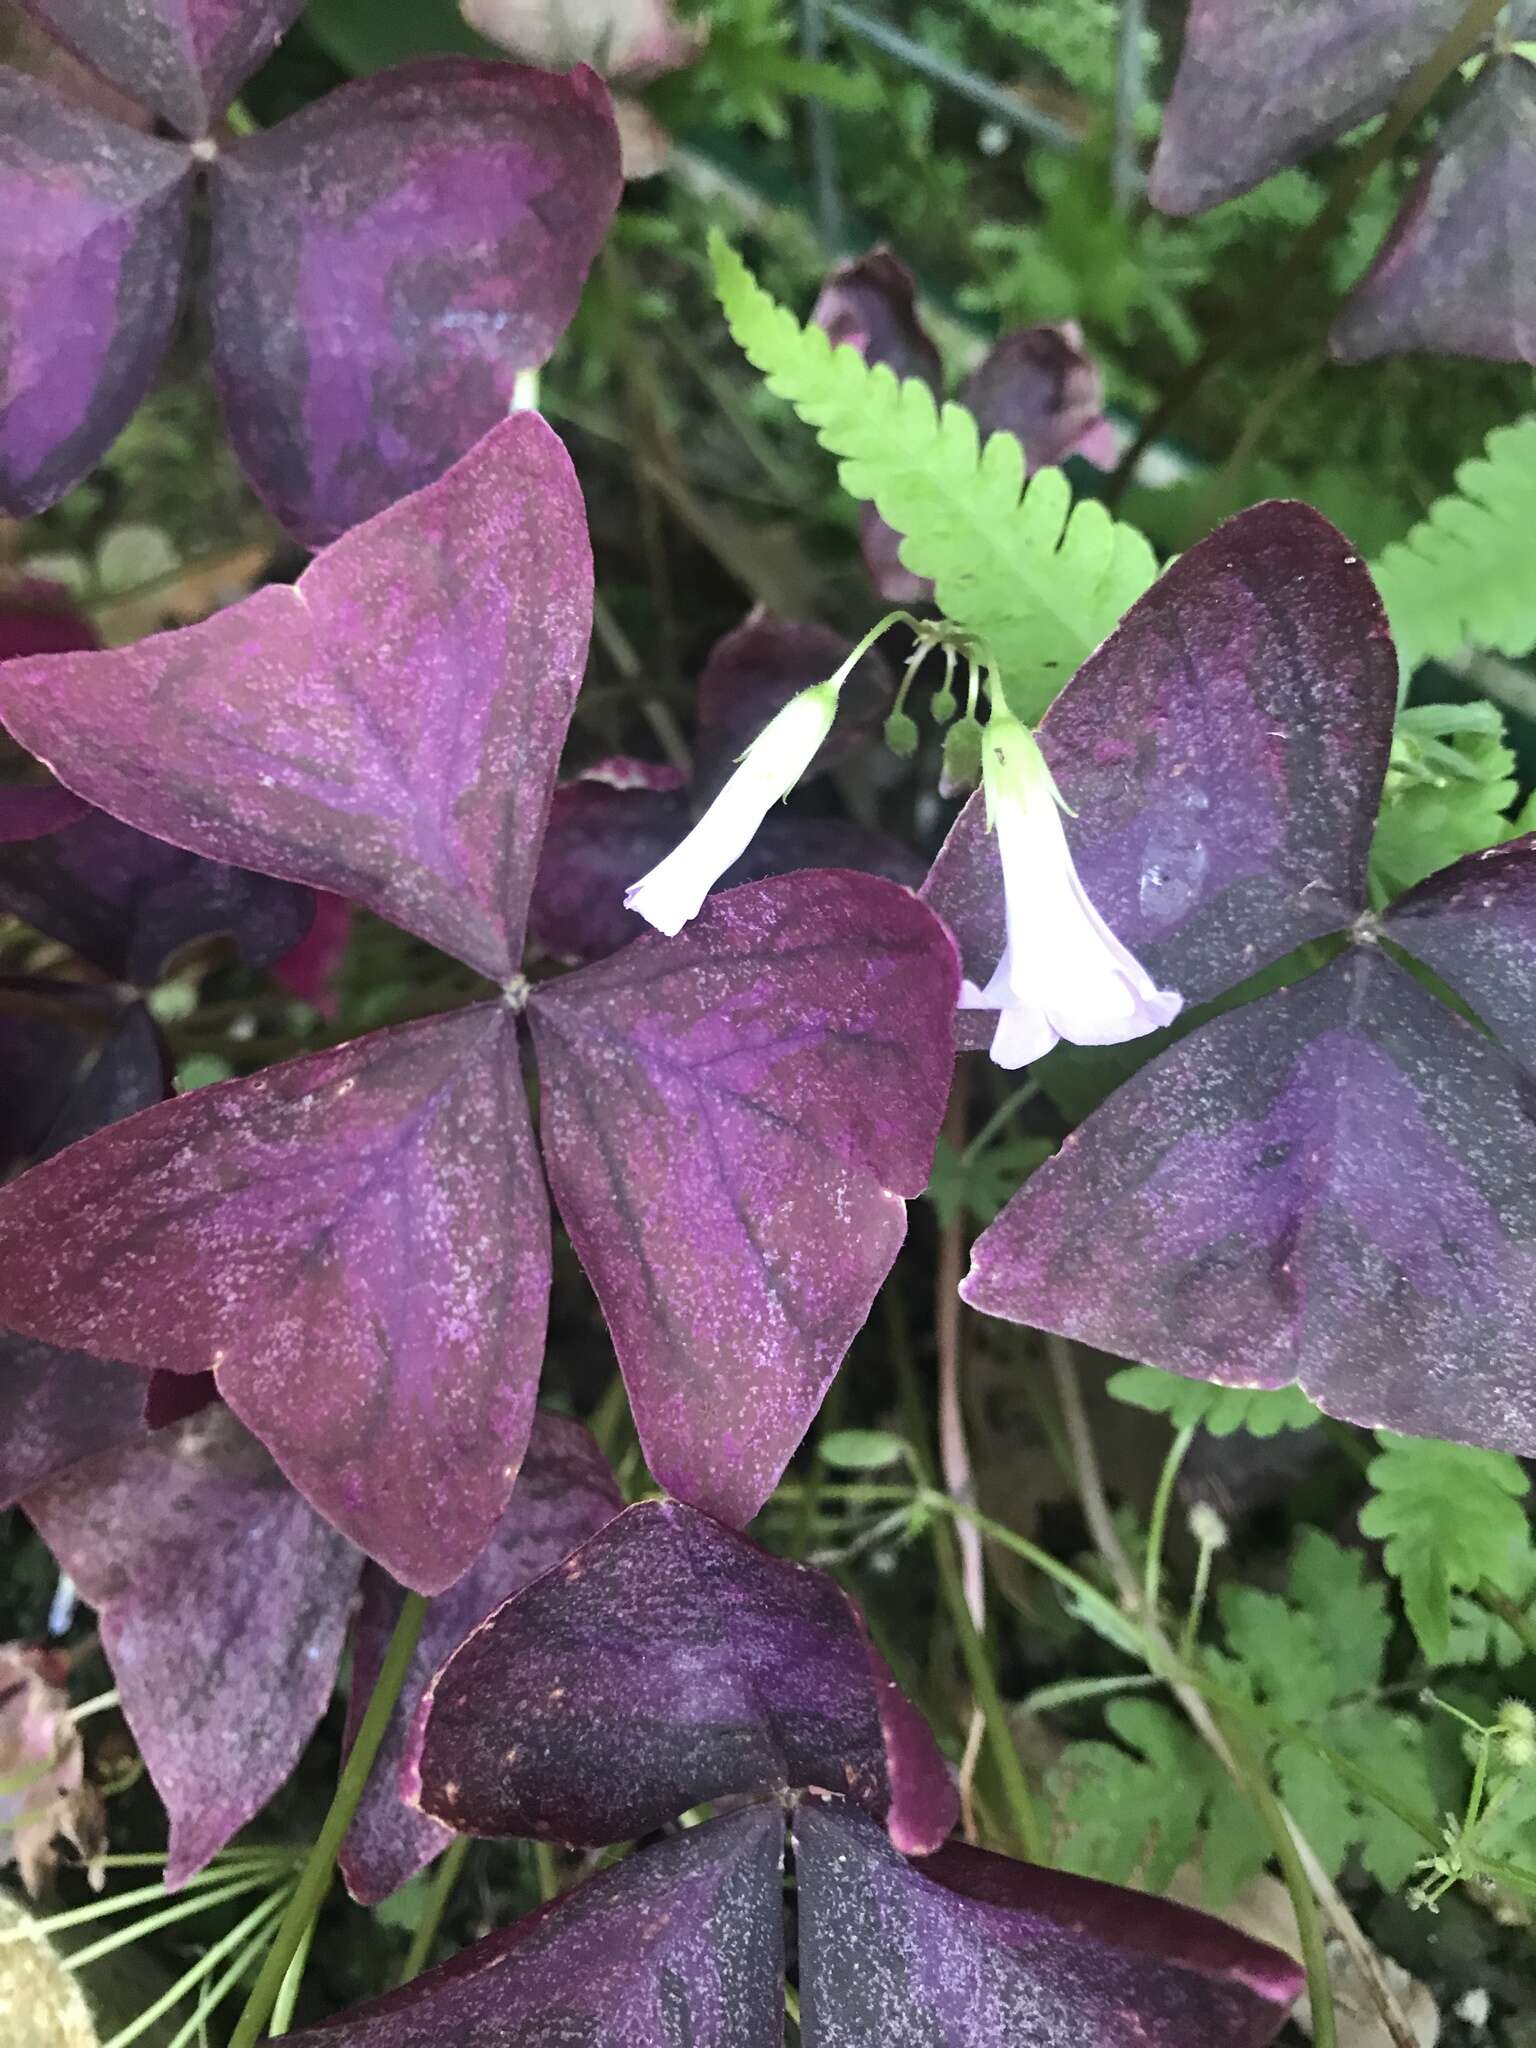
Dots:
pixel 385 263
pixel 183 59
pixel 1223 753
pixel 677 1947
pixel 89 292
pixel 388 728
pixel 754 670
pixel 1457 274
pixel 670 1661
pixel 223 1600
pixel 128 903
pixel 1041 384
pixel 1335 1185
pixel 61 1406
pixel 563 1494
pixel 1257 89
pixel 967 1946
pixel 870 303
pixel 730 1120
pixel 604 834
pixel 1474 923
pixel 356 1243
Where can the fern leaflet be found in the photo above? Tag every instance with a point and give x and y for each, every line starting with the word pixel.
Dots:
pixel 1037 580
pixel 1463 577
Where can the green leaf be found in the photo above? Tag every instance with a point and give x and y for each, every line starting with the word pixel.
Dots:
pixel 1448 792
pixel 1448 1516
pixel 1038 580
pixel 1281 1651
pixel 1348 1610
pixel 1261 1411
pixel 981 1186
pixel 1335 1817
pixel 362 36
pixel 1462 577
pixel 1478 1636
pixel 861 1450
pixel 1138 1811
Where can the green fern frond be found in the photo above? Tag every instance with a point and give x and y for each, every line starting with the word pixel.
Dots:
pixel 1038 580
pixel 1466 574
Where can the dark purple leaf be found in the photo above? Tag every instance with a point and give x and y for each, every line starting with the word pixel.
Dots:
pixel 223 1601
pixel 730 1120
pixel 387 729
pixel 1474 923
pixel 563 1493
pixel 870 303
pixel 89 292
pixel 183 59
pixel 39 618
pixel 1259 88
pixel 1040 385
pixel 670 1661
pixel 171 1397
pixel 1223 752
pixel 1457 274
pixel 49 1031
pixel 129 903
pixel 31 812
pixel 1335 1185
pixel 681 1946
pixel 603 836
pixel 57 1407
pixel 386 261
pixel 357 1243
pixel 969 1947
pixel 754 670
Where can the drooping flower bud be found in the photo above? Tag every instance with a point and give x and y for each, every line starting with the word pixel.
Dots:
pixel 674 890
pixel 1063 973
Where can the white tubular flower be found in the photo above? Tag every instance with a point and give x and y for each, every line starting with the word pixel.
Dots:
pixel 674 890
pixel 1063 973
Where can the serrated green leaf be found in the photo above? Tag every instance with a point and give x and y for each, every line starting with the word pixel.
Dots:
pixel 1261 1411
pixel 1448 792
pixel 1348 1610
pixel 1462 577
pixel 1281 1649
pixel 981 1186
pixel 1477 1635
pixel 1448 1516
pixel 1039 581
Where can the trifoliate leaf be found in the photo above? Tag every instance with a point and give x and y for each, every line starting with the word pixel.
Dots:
pixel 1261 1411
pixel 1038 580
pixel 1448 1516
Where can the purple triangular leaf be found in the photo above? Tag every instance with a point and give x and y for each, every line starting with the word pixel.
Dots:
pixel 603 836
pixel 40 618
pixel 563 1494
pixel 870 303
pixel 128 903
pixel 223 1601
pixel 89 292
pixel 969 1947
pixel 57 1407
pixel 1457 273
pixel 183 59
pixel 387 261
pixel 1223 753
pixel 1040 385
pixel 356 1242
pixel 730 1119
pixel 670 1661
pixel 1257 89
pixel 387 729
pixel 1474 923
pixel 1335 1185
pixel 680 1946
pixel 754 670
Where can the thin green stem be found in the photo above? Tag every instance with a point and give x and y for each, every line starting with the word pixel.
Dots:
pixel 288 1991
pixel 1157 1526
pixel 182 1909
pixel 444 1878
pixel 1082 1590
pixel 242 1935
pixel 214 1994
pixel 1309 1925
pixel 1488 1595
pixel 142 1895
pixel 1192 1619
pixel 101 1704
pixel 548 1875
pixel 1003 1114
pixel 315 1879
